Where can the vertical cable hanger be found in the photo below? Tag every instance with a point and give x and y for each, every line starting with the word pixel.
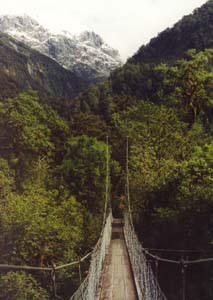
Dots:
pixel 127 179
pixel 106 181
pixel 183 272
pixel 53 279
pixel 108 175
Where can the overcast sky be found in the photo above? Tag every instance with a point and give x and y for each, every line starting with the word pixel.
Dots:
pixel 124 24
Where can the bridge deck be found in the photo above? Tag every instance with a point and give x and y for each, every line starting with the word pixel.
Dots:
pixel 117 280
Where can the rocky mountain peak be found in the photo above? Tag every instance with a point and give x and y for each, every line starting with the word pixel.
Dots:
pixel 91 38
pixel 18 22
pixel 86 54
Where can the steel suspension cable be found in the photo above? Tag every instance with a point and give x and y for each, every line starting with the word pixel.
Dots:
pixel 127 180
pixel 185 262
pixel 106 183
pixel 146 283
pixel 43 269
pixel 173 250
pixel 89 288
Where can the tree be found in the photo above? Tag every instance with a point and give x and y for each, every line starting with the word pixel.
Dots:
pixel 35 230
pixel 83 169
pixel 21 286
pixel 188 84
pixel 6 179
pixel 90 125
pixel 29 132
pixel 193 82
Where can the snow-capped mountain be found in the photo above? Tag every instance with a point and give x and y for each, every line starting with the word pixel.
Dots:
pixel 86 54
pixel 22 68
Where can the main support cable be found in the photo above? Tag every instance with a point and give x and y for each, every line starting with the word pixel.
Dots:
pixel 174 250
pixel 177 262
pixel 23 268
pixel 32 268
pixel 145 281
pixel 89 288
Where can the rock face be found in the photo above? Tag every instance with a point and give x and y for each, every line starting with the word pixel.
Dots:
pixel 87 54
pixel 23 68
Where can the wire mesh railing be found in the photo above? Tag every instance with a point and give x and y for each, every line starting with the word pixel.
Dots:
pixel 88 290
pixel 145 281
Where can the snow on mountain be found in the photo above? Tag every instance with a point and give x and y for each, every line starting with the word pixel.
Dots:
pixel 85 54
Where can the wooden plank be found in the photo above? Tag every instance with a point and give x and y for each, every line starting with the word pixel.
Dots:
pixel 117 281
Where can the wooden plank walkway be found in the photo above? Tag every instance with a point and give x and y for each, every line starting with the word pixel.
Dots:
pixel 117 280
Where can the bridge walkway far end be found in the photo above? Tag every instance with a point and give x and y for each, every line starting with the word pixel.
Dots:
pixel 117 282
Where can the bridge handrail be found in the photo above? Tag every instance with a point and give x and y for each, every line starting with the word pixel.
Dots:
pixel 89 288
pixel 145 281
pixel 178 262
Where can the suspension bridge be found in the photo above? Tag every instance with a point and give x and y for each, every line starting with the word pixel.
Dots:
pixel 119 266
pixel 119 269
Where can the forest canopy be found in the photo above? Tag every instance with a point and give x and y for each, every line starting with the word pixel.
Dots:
pixel 53 166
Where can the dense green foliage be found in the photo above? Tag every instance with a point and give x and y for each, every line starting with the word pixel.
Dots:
pixel 51 194
pixel 19 286
pixel 166 110
pixel 53 165
pixel 53 169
